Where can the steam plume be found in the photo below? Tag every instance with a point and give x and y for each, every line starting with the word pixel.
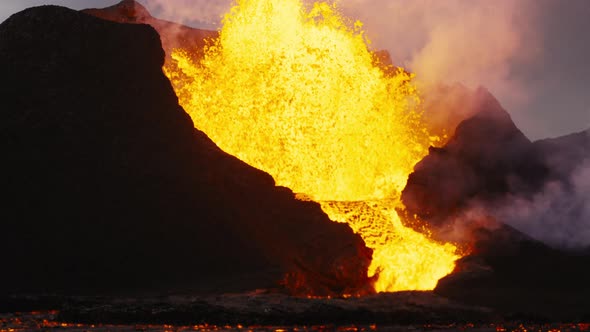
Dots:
pixel 470 42
pixel 197 13
pixel 559 215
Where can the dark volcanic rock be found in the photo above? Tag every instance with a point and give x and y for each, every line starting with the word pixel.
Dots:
pixel 108 187
pixel 485 173
pixel 486 158
pixel 517 275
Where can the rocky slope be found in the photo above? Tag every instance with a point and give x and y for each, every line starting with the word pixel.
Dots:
pixel 489 176
pixel 108 187
pixel 487 157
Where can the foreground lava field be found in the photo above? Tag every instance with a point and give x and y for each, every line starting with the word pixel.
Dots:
pixel 406 311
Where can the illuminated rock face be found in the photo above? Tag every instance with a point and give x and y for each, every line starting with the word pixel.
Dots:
pixel 110 187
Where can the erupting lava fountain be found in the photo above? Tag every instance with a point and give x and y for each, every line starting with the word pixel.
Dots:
pixel 295 91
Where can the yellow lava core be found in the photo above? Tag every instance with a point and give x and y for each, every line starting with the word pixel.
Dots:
pixel 295 91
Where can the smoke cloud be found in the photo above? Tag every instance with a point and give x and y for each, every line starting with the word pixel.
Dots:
pixel 559 215
pixel 472 42
pixel 204 14
pixel 456 45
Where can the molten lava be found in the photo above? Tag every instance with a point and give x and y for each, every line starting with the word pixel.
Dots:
pixel 295 91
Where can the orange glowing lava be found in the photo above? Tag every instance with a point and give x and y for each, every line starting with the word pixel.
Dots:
pixel 295 91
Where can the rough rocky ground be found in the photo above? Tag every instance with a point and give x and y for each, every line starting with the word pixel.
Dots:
pixel 261 309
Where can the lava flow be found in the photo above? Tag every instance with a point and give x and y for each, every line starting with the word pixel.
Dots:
pixel 295 91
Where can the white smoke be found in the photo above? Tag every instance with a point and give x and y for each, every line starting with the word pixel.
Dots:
pixel 559 215
pixel 205 14
pixel 472 42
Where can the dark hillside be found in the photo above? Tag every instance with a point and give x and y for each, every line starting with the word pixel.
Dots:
pixel 108 187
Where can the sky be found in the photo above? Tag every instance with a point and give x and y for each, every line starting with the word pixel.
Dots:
pixel 533 55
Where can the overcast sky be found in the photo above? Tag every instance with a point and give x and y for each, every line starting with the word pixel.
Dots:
pixel 534 55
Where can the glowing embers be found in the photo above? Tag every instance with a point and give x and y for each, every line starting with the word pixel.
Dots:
pixel 296 93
